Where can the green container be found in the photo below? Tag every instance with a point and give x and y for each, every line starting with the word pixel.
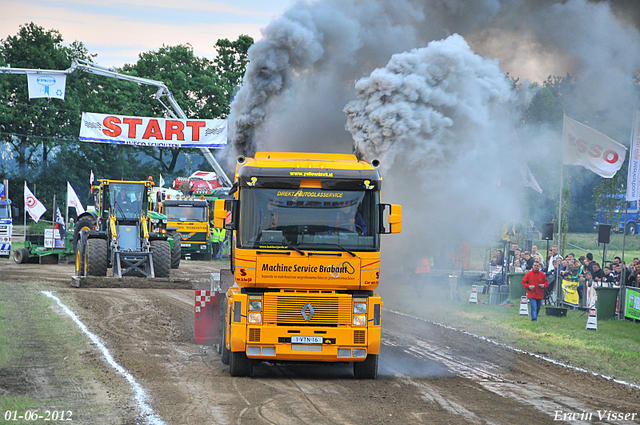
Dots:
pixel 606 304
pixel 515 287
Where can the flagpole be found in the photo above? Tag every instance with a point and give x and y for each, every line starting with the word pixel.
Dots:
pixel 55 213
pixel 624 240
pixel 559 236
pixel 561 247
pixel 66 211
pixel 25 210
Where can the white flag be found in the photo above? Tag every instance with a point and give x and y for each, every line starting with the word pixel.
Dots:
pixel 161 181
pixel 528 179
pixel 593 150
pixel 633 175
pixel 47 85
pixel 34 207
pixel 91 178
pixel 73 200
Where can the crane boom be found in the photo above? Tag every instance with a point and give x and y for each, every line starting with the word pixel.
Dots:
pixel 91 68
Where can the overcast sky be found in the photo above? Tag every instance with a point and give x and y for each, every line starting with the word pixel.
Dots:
pixel 119 31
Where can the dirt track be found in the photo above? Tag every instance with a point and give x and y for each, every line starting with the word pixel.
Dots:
pixel 429 374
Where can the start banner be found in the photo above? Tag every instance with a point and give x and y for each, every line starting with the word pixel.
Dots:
pixel 156 132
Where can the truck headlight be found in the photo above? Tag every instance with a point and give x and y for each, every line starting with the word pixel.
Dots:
pixel 255 317
pixel 255 304
pixel 155 220
pixel 359 320
pixel 360 308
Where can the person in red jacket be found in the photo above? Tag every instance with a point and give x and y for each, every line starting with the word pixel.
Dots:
pixel 534 282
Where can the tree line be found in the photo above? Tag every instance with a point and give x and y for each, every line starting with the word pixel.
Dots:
pixel 39 137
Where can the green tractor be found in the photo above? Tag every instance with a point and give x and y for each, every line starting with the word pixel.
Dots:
pixel 122 233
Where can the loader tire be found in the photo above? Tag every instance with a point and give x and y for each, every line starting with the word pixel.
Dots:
pixel 161 258
pixel 80 270
pixel 96 257
pixel 368 369
pixel 85 223
pixel 20 255
pixel 176 252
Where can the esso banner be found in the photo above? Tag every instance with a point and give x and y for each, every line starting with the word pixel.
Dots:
pixel 593 150
pixel 156 132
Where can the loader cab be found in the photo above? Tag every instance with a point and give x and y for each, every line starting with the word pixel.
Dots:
pixel 127 201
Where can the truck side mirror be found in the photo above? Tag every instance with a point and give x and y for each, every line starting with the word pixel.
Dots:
pixel 390 214
pixel 15 212
pixel 224 214
pixel 219 214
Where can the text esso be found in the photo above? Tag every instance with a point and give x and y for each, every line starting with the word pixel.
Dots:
pixel 593 149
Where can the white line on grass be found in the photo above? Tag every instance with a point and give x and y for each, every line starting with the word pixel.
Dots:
pixel 141 396
pixel 517 350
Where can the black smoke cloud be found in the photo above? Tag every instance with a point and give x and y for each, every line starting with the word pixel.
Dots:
pixel 439 113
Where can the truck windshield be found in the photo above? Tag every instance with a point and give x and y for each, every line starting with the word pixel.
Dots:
pixel 311 219
pixel 127 199
pixel 186 213
pixel 5 211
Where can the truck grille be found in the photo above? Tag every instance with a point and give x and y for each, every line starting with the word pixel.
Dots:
pixel 287 309
pixel 254 334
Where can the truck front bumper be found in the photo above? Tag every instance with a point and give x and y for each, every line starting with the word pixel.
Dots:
pixel 310 343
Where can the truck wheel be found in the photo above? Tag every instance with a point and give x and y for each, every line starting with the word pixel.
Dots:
pixel 224 355
pixel 20 256
pixel 96 257
pixel 631 229
pixel 176 252
pixel 85 223
pixel 161 258
pixel 368 369
pixel 240 364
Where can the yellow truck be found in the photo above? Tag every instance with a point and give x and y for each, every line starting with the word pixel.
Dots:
pixel 188 220
pixel 305 261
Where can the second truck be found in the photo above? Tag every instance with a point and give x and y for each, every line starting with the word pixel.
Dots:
pixel 188 221
pixel 305 261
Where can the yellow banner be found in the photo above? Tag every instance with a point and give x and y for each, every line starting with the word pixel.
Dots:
pixel 571 292
pixel 276 270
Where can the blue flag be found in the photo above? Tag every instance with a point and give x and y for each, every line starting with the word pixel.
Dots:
pixel 59 220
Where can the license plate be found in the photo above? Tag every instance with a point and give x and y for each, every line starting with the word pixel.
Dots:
pixel 306 340
pixel 186 245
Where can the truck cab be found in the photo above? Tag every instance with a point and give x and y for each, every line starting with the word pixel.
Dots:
pixel 305 261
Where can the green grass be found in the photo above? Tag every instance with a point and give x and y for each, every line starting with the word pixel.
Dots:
pixel 589 243
pixel 612 350
pixel 18 406
pixel 32 335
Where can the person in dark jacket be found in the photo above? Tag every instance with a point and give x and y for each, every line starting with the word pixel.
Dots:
pixel 528 262
pixel 534 282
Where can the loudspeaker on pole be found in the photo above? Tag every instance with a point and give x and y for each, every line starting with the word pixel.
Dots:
pixel 547 231
pixel 604 233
